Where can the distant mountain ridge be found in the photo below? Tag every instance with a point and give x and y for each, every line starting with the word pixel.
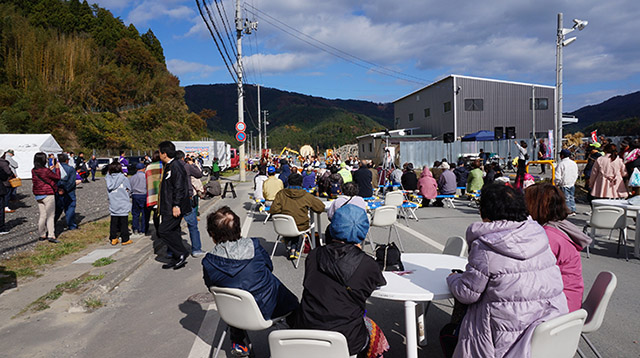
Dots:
pixel 294 119
pixel 616 108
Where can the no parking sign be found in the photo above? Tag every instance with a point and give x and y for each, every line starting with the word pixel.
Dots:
pixel 241 136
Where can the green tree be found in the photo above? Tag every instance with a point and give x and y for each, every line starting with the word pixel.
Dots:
pixel 153 44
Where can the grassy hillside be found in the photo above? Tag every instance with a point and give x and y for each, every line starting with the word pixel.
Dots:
pixel 294 119
pixel 75 71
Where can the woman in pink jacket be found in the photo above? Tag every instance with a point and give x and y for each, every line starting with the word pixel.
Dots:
pixel 427 186
pixel 547 206
pixel 607 175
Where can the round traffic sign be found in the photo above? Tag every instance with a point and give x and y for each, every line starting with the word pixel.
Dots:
pixel 241 136
pixel 241 126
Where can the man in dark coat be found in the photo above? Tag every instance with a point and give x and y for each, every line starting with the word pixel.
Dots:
pixel 93 166
pixel 173 204
pixel 362 177
pixel 409 179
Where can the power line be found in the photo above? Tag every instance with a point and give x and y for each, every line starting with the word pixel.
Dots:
pixel 336 51
pixel 216 42
pixel 220 38
pixel 225 23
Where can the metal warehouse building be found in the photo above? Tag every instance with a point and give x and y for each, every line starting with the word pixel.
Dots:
pixel 462 105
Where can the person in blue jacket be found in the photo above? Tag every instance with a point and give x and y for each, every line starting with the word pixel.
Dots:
pixel 285 171
pixel 240 262
pixel 66 195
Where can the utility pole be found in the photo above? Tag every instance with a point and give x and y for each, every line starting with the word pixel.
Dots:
pixel 241 26
pixel 265 114
pixel 259 126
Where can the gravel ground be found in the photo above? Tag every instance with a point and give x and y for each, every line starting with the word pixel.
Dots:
pixel 92 204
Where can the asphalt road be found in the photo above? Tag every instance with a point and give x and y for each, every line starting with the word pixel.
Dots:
pixel 160 313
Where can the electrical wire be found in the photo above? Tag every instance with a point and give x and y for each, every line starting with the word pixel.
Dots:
pixel 220 38
pixel 225 23
pixel 336 52
pixel 216 42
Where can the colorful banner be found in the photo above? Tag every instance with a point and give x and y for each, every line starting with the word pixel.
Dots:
pixel 550 147
pixel 594 136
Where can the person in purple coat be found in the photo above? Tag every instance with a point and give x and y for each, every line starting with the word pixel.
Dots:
pixel 511 283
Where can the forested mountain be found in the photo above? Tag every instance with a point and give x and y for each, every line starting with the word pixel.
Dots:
pixel 616 112
pixel 294 119
pixel 76 71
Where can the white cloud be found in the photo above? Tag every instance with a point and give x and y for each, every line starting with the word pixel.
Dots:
pixel 269 64
pixel 190 69
pixel 145 11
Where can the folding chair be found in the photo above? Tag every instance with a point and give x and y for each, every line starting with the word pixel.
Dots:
pixel 307 343
pixel 596 306
pixel 558 337
pixel 285 226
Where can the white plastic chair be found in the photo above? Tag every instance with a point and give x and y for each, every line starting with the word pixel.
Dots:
pixel 396 198
pixel 307 343
pixel 285 226
pixel 238 309
pixel 596 305
pixel 455 246
pixel 612 218
pixel 558 337
pixel 386 215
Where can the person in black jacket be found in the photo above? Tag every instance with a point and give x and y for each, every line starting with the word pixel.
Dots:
pixel 173 204
pixel 362 177
pixel 241 262
pixel 338 279
pixel 409 178
pixel 462 173
pixel 5 175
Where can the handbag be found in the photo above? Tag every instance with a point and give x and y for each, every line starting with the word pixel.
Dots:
pixel 388 257
pixel 15 182
pixel 634 180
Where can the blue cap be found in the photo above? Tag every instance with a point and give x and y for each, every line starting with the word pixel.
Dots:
pixel 140 166
pixel 565 153
pixel 349 224
pixel 271 169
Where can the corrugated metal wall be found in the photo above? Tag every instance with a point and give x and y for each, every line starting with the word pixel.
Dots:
pixel 505 104
pixel 433 98
pixel 426 152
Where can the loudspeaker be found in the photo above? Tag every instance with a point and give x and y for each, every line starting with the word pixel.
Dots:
pixel 511 132
pixel 498 133
pixel 448 137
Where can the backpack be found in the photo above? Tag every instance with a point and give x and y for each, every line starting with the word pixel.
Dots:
pixel 388 257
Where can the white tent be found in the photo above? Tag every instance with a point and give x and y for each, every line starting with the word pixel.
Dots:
pixel 25 146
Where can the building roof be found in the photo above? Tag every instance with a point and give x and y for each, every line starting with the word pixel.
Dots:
pixel 398 132
pixel 472 78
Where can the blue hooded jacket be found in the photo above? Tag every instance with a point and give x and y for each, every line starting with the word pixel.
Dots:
pixel 245 264
pixel 308 180
pixel 285 171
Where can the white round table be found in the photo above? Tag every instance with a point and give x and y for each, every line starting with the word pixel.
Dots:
pixel 424 280
pixel 629 208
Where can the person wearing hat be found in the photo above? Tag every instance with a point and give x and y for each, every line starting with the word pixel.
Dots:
pixel 566 177
pixel 345 173
pixel 271 186
pixel 308 177
pixel 338 280
pixel 138 184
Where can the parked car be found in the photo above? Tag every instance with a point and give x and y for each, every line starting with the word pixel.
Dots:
pixel 103 162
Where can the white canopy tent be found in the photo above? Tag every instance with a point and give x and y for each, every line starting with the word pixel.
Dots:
pixel 25 146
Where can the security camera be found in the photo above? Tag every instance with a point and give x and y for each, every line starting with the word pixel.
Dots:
pixel 579 24
pixel 458 89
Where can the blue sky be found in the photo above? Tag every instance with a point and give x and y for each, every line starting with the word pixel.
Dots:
pixel 415 42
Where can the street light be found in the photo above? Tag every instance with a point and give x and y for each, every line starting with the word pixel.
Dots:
pixel 560 43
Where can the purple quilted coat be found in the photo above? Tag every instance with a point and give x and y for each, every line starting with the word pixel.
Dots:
pixel 511 284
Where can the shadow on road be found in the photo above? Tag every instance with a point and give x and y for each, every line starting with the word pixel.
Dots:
pixel 8 279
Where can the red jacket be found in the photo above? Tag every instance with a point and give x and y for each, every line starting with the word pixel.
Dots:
pixel 44 181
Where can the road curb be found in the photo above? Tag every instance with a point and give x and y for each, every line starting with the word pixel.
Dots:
pixel 126 267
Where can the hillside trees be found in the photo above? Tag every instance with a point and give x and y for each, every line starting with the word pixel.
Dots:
pixel 79 73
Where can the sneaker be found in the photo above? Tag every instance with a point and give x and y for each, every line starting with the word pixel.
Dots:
pixel 572 213
pixel 239 350
pixel 2 232
pixel 198 253
pixel 292 255
pixel 114 242
pixel 7 210
pixel 588 213
pixel 128 242
pixel 53 240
